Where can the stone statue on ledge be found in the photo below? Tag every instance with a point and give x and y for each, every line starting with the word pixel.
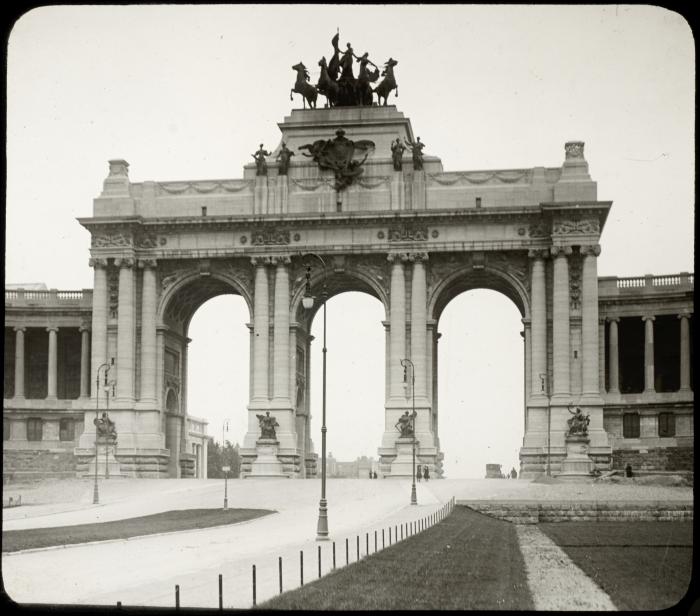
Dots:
pixel 397 149
pixel 267 426
pixel 106 428
pixel 578 423
pixel 405 424
pixel 261 165
pixel 417 150
pixel 284 156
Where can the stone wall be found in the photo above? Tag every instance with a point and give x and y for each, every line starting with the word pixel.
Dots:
pixel 37 464
pixel 656 459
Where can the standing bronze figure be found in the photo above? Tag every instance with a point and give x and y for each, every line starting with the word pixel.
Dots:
pixel 261 165
pixel 397 150
pixel 417 151
pixel 283 157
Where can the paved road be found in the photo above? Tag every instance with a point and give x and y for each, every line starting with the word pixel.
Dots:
pixel 145 570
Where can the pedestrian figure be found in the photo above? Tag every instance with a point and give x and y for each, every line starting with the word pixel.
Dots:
pixel 375 475
pixel 426 473
pixel 513 473
pixel 418 473
pixel 370 474
pixel 628 470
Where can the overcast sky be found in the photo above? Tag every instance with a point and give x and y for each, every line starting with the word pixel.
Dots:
pixel 188 92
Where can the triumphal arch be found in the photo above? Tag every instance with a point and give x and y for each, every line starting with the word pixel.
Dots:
pixel 350 182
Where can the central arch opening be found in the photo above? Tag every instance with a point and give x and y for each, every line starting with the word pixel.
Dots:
pixel 355 383
pixel 480 384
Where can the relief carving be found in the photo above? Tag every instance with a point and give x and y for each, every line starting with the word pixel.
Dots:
pixel 113 291
pixel 538 229
pixel 573 227
pixel 575 282
pixel 272 237
pixel 146 240
pixel 119 240
pixel 408 233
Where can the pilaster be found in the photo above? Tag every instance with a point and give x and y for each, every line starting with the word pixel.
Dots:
pixel 560 325
pixel 538 328
pixel 397 327
pixel 148 332
pixel 589 326
pixel 99 319
pixel 125 332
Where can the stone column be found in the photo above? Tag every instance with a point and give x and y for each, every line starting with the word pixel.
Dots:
pixel 261 331
pixel 281 333
pixel 99 320
pixel 648 354
pixel 601 352
pixel 419 323
pixel 614 357
pixel 204 458
pixel 84 362
pixel 538 326
pixel 397 325
pixel 685 352
pixel 560 323
pixel 125 331
pixel 19 361
pixel 148 332
pixel 589 323
pixel 53 362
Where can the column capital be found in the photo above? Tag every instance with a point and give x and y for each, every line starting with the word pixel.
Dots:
pixel 20 329
pixel 418 257
pixel 397 257
pixel 150 263
pixel 561 251
pixel 84 328
pixel 98 262
pixel 52 328
pixel 590 250
pixel 612 319
pixel 281 260
pixel 128 262
pixel 538 253
pixel 526 322
pixel 647 317
pixel 260 261
pixel 685 314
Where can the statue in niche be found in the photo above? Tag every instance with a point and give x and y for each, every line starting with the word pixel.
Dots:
pixel 105 427
pixel 405 424
pixel 417 150
pixel 267 426
pixel 578 423
pixel 397 150
pixel 284 156
pixel 261 165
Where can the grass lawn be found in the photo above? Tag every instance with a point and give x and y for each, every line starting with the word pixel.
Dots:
pixel 185 519
pixel 467 562
pixel 641 565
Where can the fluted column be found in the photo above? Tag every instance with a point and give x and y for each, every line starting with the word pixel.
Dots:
pixel 648 354
pixel 84 362
pixel 685 352
pixel 261 332
pixel 148 331
pixel 19 361
pixel 99 320
pixel 125 331
pixel 281 331
pixel 589 322
pixel 614 357
pixel 53 362
pixel 397 325
pixel 560 322
pixel 419 322
pixel 538 325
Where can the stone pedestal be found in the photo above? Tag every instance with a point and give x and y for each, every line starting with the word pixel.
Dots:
pixel 267 463
pixel 402 465
pixel 577 465
pixel 107 464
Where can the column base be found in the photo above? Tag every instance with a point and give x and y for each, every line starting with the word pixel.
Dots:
pixel 267 463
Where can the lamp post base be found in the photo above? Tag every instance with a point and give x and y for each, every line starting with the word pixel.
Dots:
pixel 414 500
pixel 322 527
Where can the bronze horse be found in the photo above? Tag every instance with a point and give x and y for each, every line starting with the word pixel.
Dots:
pixel 327 86
pixel 307 91
pixel 388 83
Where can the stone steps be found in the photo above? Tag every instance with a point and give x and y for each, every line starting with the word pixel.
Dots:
pixel 532 512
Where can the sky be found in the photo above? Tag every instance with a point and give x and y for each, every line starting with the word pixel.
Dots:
pixel 188 92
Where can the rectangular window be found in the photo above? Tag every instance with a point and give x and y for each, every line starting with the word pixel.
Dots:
pixel 66 430
pixel 630 425
pixel 667 424
pixel 34 429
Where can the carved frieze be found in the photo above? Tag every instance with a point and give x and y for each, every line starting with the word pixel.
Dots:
pixel 408 233
pixel 538 229
pixel 117 240
pixel 575 282
pixel 146 240
pixel 512 263
pixel 510 176
pixel 576 227
pixel 271 237
pixel 179 188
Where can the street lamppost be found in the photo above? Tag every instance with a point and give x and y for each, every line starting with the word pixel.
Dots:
pixel 225 469
pixel 308 303
pixel 106 366
pixel 405 363
pixel 543 381
pixel 108 385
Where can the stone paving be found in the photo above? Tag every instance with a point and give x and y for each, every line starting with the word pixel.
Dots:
pixel 149 567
